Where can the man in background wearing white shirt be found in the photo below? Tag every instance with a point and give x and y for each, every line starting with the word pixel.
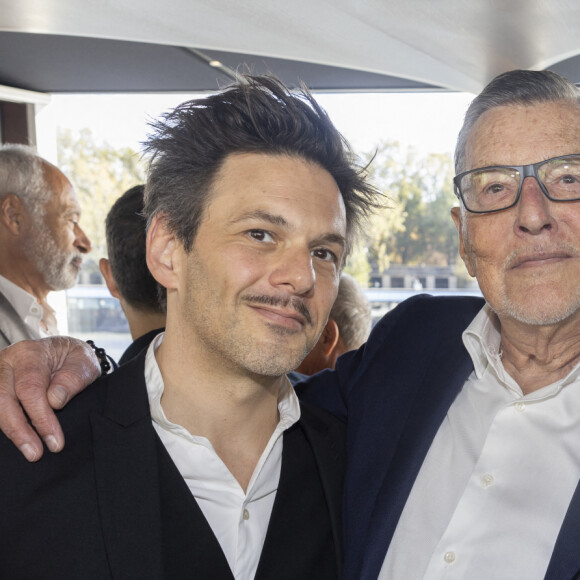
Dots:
pixel 41 242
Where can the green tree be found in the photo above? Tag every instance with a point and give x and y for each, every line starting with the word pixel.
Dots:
pixel 100 174
pixel 420 228
pixel 441 246
pixel 372 250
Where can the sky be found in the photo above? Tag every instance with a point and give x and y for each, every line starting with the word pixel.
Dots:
pixel 428 122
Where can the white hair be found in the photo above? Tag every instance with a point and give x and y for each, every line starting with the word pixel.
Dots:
pixel 22 173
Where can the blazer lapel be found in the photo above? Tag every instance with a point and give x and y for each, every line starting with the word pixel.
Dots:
pixel 422 410
pixel 309 494
pixel 329 448
pixel 151 523
pixel 126 475
pixel 565 561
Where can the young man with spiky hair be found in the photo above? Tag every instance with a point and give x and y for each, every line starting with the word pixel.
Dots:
pixel 195 460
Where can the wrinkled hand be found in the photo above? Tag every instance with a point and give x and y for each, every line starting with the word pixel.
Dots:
pixel 37 376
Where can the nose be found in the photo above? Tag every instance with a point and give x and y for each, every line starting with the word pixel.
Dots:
pixel 294 272
pixel 534 209
pixel 82 242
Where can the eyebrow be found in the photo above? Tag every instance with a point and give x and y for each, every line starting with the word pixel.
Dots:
pixel 330 239
pixel 278 220
pixel 262 215
pixel 72 212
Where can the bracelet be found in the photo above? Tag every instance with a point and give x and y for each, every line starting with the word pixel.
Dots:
pixel 101 356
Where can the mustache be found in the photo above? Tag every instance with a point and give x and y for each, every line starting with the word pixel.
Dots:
pixel 292 302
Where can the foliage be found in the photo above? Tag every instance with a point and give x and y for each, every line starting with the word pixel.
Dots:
pixel 414 227
pixel 417 227
pixel 100 174
pixel 378 235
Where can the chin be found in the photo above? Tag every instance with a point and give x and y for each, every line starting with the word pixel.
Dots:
pixel 274 363
pixel 548 312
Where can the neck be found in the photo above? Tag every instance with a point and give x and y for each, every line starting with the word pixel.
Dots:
pixel 142 321
pixel 236 411
pixel 19 272
pixel 536 356
pixel 39 291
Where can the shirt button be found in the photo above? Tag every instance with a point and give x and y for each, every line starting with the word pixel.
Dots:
pixel 520 407
pixel 246 514
pixel 487 480
pixel 449 557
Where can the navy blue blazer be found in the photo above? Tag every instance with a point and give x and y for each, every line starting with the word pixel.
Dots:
pixel 394 393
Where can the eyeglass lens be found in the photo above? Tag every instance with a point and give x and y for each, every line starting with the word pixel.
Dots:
pixel 497 187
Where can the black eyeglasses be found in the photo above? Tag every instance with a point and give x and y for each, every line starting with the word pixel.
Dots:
pixel 496 188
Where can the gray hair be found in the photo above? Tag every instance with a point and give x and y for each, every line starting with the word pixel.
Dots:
pixel 22 173
pixel 352 313
pixel 516 87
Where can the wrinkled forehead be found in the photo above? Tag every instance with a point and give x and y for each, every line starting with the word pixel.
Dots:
pixel 522 134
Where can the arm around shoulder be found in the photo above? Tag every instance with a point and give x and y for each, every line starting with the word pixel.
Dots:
pixel 37 376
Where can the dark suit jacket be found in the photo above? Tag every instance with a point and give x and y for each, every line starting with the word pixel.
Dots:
pixel 138 345
pixel 113 505
pixel 396 391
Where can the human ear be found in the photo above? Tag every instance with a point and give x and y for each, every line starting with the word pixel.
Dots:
pixel 456 214
pixel 329 337
pixel 162 247
pixel 12 213
pixel 105 267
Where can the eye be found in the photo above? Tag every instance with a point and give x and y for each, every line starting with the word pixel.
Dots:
pixel 261 236
pixel 325 254
pixel 494 188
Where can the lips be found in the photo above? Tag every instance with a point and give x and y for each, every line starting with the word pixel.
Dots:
pixel 281 309
pixel 538 258
pixel 282 316
pixel 76 263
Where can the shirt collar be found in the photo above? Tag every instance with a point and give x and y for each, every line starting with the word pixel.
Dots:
pixel 24 304
pixel 288 404
pixel 482 340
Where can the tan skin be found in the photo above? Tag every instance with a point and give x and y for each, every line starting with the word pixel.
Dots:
pixel 324 354
pixel 276 227
pixel 66 364
pixel 527 258
pixel 62 214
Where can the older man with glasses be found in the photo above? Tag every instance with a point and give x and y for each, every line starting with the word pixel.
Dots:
pixel 463 414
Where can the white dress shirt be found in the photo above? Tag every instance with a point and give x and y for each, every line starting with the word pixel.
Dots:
pixel 494 488
pixel 239 520
pixel 29 309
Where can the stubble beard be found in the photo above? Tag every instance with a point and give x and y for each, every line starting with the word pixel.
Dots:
pixel 263 355
pixel 228 339
pixel 275 359
pixel 545 312
pixel 55 265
